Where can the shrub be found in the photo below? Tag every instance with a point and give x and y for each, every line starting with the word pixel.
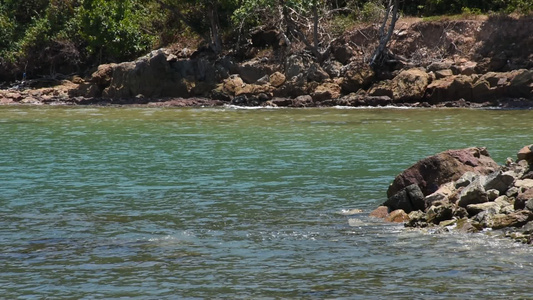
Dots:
pixel 113 29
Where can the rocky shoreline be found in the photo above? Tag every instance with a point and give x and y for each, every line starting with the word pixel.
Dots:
pixel 395 93
pixel 466 191
pixel 474 63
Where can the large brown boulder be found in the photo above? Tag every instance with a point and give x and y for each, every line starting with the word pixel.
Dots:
pixel 357 77
pixel 521 84
pixel 514 219
pixel 450 89
pixel 253 70
pixel 410 85
pixel 431 172
pixel 397 216
pixel 276 79
pixel 328 90
pixel 232 84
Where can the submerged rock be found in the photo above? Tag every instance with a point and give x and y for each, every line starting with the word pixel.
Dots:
pixel 350 212
pixel 397 216
pixel 380 212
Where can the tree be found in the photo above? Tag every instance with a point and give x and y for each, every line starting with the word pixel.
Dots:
pixel 302 20
pixel 113 28
pixel 384 37
pixel 196 13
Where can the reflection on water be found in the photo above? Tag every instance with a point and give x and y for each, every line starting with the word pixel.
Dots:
pixel 228 203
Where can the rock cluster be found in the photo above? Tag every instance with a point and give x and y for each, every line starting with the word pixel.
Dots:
pixel 465 190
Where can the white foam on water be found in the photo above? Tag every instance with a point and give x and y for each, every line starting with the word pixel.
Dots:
pixel 373 107
pixel 237 107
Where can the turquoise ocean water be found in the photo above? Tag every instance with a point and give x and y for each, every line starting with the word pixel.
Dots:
pixel 164 203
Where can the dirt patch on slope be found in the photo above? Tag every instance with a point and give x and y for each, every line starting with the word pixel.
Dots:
pixel 496 43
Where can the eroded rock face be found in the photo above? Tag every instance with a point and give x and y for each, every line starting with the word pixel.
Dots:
pixel 150 76
pixel 431 172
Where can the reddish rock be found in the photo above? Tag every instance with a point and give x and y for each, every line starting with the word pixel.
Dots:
pixel 380 212
pixel 431 172
pixel 6 100
pixel 525 154
pixel 302 101
pixel 381 89
pixel 397 216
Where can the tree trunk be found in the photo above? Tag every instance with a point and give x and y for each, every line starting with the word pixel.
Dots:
pixel 296 31
pixel 315 26
pixel 216 42
pixel 384 39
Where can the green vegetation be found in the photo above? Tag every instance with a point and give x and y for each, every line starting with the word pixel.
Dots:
pixel 43 37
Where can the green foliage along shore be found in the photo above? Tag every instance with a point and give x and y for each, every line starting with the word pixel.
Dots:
pixel 46 37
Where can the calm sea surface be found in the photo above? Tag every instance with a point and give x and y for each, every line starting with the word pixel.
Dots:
pixel 155 203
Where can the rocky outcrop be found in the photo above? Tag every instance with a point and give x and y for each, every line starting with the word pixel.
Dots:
pixel 466 191
pixel 434 171
pixel 257 81
pixel 408 86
